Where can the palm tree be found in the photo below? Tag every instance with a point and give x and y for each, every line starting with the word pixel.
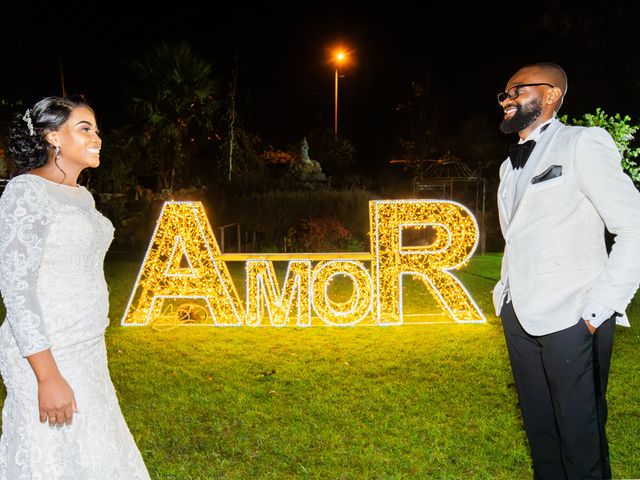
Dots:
pixel 174 99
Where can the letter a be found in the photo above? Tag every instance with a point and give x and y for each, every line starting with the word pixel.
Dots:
pixel 183 230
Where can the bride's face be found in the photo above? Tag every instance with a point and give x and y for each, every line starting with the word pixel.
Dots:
pixel 79 140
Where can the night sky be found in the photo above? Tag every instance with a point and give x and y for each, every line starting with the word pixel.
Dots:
pixel 285 85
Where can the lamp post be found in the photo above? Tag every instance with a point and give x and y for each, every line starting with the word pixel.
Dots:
pixel 340 56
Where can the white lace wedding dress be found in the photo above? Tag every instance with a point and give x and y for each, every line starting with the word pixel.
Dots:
pixel 52 247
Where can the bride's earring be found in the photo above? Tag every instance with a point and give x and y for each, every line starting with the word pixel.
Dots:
pixel 56 158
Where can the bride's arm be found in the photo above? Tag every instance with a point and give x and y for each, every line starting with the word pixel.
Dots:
pixel 24 225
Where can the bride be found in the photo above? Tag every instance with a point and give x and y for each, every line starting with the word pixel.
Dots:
pixel 61 419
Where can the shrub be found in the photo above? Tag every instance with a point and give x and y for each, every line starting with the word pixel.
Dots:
pixel 323 234
pixel 278 212
pixel 622 132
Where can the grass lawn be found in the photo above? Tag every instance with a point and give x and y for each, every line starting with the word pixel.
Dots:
pixel 403 402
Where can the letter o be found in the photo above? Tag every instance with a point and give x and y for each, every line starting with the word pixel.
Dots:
pixel 341 313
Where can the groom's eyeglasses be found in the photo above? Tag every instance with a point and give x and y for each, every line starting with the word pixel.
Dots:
pixel 514 92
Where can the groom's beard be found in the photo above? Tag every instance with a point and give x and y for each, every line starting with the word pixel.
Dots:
pixel 525 115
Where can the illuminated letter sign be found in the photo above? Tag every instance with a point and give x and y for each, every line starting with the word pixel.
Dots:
pixel 262 286
pixel 344 313
pixel 184 275
pixel 183 232
pixel 456 233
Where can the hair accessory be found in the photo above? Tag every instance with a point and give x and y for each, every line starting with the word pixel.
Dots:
pixel 27 118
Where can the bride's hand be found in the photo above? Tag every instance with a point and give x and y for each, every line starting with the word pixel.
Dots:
pixel 56 401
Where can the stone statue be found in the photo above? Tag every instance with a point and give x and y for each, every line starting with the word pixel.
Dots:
pixel 304 150
pixel 306 171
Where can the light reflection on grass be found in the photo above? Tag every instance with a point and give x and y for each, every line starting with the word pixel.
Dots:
pixel 401 402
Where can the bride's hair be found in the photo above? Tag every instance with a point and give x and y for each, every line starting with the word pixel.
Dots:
pixel 27 145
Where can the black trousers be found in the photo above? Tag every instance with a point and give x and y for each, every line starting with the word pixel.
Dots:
pixel 561 379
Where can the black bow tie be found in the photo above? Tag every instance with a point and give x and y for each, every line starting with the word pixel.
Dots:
pixel 519 153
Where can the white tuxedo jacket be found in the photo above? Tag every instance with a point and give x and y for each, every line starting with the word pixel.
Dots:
pixel 555 256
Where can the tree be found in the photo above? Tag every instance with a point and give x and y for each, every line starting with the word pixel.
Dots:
pixel 174 98
pixel 419 121
pixel 622 132
pixel 8 109
pixel 334 153
pixel 241 169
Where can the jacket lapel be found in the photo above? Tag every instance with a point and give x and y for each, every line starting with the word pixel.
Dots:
pixel 503 198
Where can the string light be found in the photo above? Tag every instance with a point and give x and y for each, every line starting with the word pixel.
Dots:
pixel 354 309
pixel 456 240
pixel 262 293
pixel 167 294
pixel 183 227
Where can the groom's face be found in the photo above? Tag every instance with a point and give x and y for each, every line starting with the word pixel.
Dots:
pixel 521 101
pixel 518 116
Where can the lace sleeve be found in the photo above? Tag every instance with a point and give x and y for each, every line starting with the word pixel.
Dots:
pixel 23 229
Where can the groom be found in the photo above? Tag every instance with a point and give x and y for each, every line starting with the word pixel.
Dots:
pixel 560 294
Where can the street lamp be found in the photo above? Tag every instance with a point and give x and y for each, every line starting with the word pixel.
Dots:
pixel 339 58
